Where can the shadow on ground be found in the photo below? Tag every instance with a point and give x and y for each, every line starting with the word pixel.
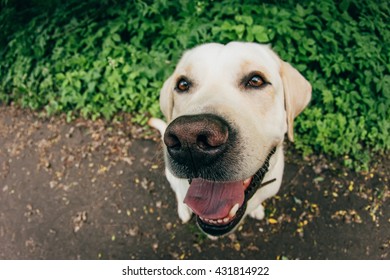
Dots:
pixel 92 190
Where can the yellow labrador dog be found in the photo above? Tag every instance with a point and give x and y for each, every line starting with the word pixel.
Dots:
pixel 228 108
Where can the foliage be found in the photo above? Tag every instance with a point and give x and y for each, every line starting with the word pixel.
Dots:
pixel 96 58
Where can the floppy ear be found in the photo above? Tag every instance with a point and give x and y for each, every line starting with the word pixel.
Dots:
pixel 166 99
pixel 297 94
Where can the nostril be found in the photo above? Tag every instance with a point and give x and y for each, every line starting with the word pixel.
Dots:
pixel 172 141
pixel 202 142
pixel 211 140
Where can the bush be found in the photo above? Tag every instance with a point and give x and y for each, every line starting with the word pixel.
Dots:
pixel 96 58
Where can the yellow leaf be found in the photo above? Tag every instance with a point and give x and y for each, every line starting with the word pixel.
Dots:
pixel 350 187
pixel 272 221
pixel 102 170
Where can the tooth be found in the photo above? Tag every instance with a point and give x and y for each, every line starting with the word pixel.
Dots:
pixel 234 210
pixel 219 221
pixel 247 181
pixel 226 220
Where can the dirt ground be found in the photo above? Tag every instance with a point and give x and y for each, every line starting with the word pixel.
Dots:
pixel 96 190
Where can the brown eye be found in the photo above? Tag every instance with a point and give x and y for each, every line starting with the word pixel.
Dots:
pixel 255 82
pixel 183 85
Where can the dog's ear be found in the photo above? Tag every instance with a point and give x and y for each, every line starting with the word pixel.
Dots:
pixel 166 99
pixel 297 94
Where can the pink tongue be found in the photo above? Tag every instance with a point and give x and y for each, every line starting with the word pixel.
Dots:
pixel 213 200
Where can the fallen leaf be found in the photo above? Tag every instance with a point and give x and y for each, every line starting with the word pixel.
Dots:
pixel 272 221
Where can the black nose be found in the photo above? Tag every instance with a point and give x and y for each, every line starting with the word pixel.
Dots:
pixel 197 139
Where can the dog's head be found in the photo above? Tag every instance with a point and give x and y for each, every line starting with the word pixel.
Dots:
pixel 227 107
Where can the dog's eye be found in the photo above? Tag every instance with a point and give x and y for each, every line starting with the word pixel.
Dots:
pixel 255 82
pixel 182 85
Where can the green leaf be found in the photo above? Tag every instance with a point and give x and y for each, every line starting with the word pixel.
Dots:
pixel 260 33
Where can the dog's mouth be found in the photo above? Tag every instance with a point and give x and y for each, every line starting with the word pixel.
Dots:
pixel 220 206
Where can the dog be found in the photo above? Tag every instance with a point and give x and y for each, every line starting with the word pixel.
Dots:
pixel 228 108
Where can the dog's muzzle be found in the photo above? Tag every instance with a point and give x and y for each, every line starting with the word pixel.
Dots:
pixel 203 149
